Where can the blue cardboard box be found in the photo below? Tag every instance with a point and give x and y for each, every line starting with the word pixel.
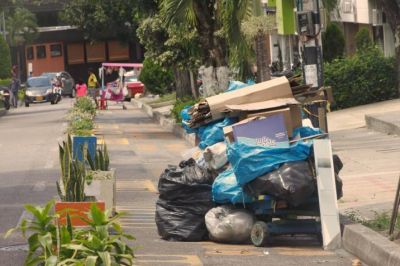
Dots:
pixel 270 132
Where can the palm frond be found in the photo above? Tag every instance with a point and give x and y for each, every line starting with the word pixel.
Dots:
pixel 177 11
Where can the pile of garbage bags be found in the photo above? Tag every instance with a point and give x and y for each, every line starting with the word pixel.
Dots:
pixel 207 195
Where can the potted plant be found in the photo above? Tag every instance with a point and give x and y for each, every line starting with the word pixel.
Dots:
pixel 53 244
pixel 81 127
pixel 71 188
pixel 101 180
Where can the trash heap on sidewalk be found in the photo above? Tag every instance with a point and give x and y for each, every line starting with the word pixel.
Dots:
pixel 252 145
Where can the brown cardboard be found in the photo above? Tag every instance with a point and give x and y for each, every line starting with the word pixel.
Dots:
pixel 265 105
pixel 268 90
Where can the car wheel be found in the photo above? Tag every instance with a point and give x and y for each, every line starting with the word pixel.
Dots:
pixel 26 104
pixel 53 102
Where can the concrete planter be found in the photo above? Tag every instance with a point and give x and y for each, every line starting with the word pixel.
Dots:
pixel 76 210
pixel 78 142
pixel 103 187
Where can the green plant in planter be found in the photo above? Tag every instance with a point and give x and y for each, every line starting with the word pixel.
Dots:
pixel 86 105
pixel 101 159
pixel 46 237
pixel 96 246
pixel 73 175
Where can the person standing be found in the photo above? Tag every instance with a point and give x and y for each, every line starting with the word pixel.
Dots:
pixel 81 89
pixel 15 85
pixel 93 86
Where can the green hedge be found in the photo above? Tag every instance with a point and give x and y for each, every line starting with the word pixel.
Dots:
pixel 155 78
pixel 364 78
pixel 5 82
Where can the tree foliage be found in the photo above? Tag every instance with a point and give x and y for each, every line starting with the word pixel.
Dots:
pixel 363 39
pixel 103 18
pixel 157 79
pixel 21 26
pixel 333 42
pixel 5 62
pixel 350 78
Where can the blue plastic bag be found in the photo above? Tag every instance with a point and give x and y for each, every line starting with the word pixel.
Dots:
pixel 213 133
pixel 235 85
pixel 250 161
pixel 185 119
pixel 225 189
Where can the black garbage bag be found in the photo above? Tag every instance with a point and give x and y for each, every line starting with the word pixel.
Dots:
pixel 182 221
pixel 293 182
pixel 185 197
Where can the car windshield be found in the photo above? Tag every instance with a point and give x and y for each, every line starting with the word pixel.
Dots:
pixel 49 74
pixel 39 82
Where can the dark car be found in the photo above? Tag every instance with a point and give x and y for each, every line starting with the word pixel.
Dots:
pixel 39 89
pixel 67 82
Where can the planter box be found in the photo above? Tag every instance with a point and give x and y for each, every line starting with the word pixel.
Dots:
pixel 78 142
pixel 76 210
pixel 103 187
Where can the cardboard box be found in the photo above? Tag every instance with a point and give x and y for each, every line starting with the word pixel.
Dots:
pixel 269 132
pixel 268 90
pixel 288 106
pixel 292 117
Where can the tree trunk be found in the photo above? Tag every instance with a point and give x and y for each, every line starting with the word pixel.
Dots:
pixel 182 83
pixel 215 80
pixel 263 57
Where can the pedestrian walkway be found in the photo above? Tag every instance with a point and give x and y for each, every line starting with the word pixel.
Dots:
pixel 140 150
pixel 371 159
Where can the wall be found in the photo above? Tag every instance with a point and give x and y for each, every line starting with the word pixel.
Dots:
pixel 360 11
pixel 47 64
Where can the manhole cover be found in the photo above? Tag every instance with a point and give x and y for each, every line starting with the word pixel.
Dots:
pixel 23 247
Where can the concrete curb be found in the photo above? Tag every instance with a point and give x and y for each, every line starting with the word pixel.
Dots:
pixel 375 123
pixel 369 246
pixel 167 123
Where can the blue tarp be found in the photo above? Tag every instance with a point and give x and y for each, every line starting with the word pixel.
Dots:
pixel 250 161
pixel 225 189
pixel 235 85
pixel 213 133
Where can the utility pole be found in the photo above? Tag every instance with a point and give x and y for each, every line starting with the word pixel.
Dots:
pixel 309 29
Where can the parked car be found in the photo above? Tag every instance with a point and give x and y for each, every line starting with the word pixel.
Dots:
pixel 132 84
pixel 67 82
pixel 40 89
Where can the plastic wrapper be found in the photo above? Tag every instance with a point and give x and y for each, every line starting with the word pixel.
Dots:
pixel 229 225
pixel 293 182
pixel 215 156
pixel 225 189
pixel 213 133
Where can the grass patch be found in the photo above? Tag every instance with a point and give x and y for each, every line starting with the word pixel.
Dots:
pixel 164 98
pixel 179 105
pixel 5 82
pixel 379 223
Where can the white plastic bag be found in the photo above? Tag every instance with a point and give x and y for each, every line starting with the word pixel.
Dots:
pixel 125 91
pixel 229 225
pixel 215 156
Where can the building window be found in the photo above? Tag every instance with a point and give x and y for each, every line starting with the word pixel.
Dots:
pixel 41 51
pixel 29 53
pixel 55 50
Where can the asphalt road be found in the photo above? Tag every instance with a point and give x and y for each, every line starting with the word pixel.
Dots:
pixel 28 166
pixel 139 150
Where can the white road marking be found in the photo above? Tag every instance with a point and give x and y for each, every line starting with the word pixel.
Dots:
pixel 39 186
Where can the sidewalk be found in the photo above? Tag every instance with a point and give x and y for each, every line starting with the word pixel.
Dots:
pixel 371 159
pixel 141 150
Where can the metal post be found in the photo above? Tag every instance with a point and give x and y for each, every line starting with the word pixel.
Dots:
pixel 395 210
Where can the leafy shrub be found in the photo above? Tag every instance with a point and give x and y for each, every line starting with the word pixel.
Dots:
pixel 363 39
pixel 333 42
pixel 5 61
pixel 179 105
pixel 85 105
pixel 156 79
pixel 363 78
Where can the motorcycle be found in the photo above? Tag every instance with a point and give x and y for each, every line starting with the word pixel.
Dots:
pixel 5 94
pixel 57 92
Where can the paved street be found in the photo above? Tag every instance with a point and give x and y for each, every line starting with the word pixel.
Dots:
pixel 139 150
